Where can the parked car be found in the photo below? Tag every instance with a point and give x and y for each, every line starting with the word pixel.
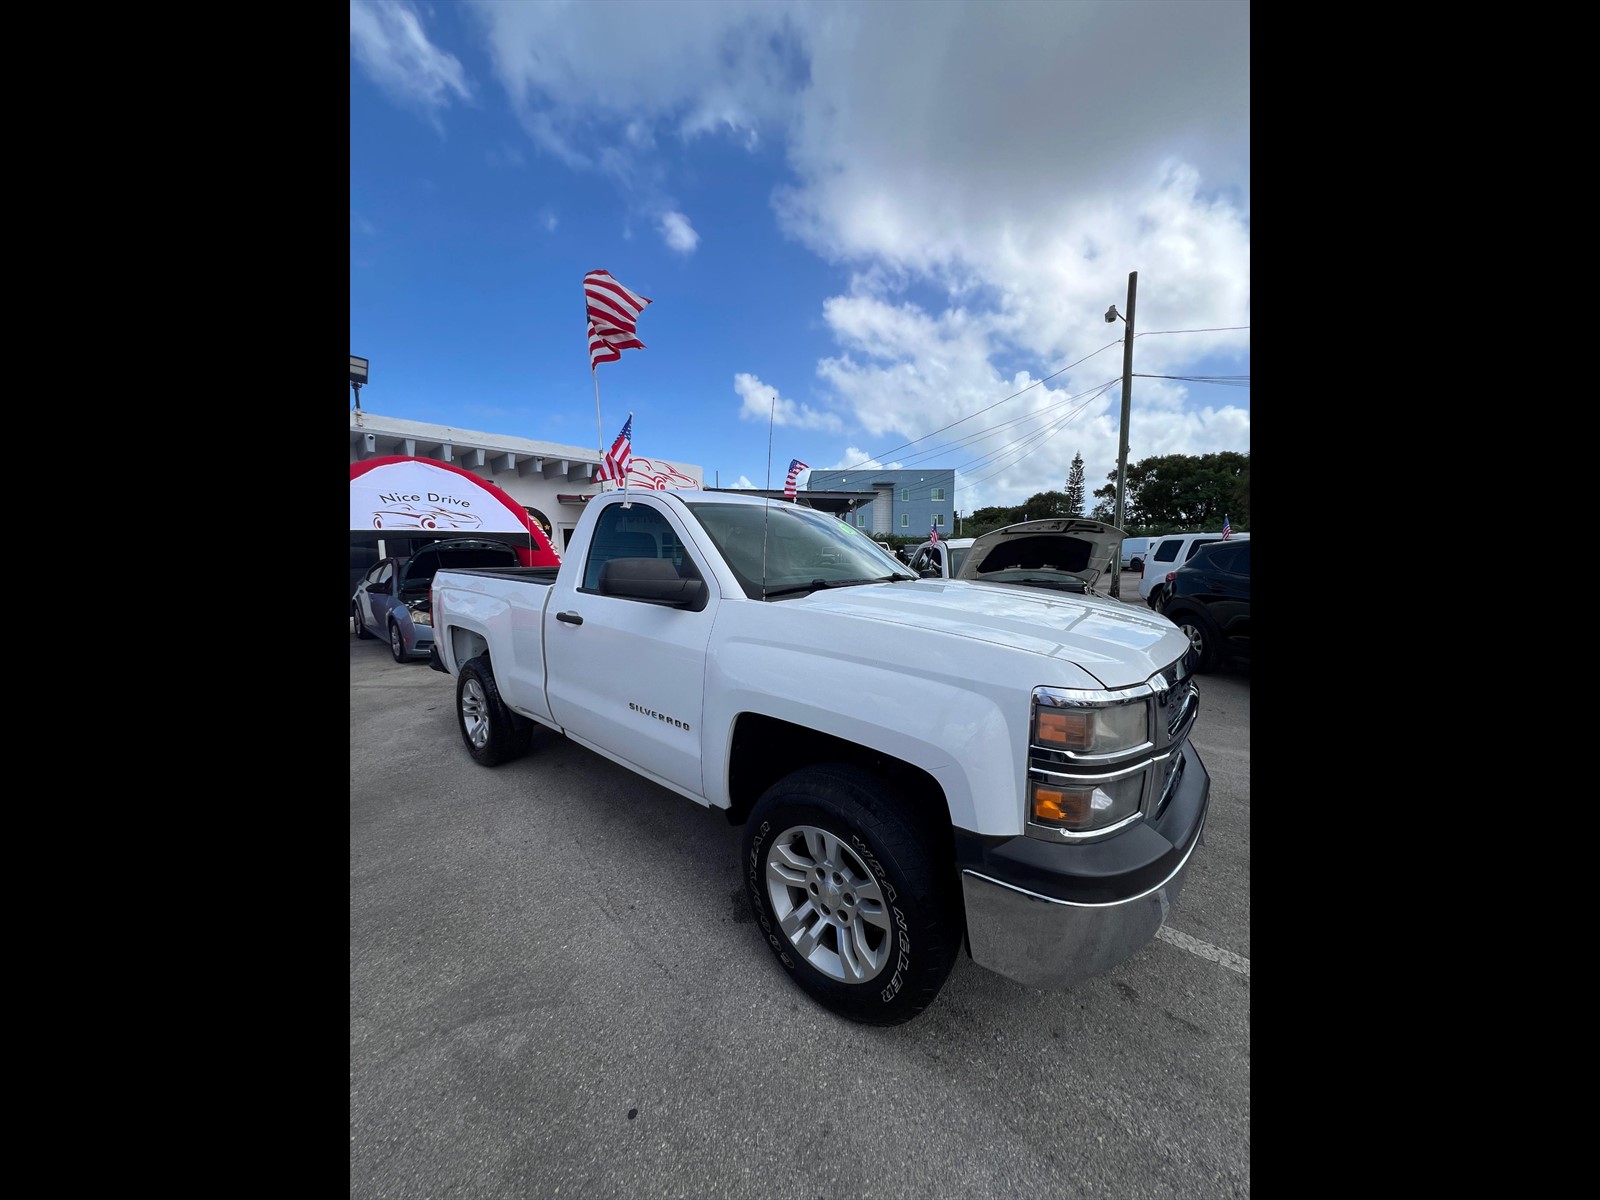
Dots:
pixel 393 599
pixel 1169 553
pixel 1064 554
pixel 1133 553
pixel 1209 599
pixel 939 560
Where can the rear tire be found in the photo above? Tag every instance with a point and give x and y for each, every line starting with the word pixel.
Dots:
pixel 361 630
pixel 492 732
pixel 853 896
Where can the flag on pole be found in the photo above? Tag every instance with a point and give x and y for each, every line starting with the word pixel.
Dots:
pixel 1227 528
pixel 618 457
pixel 933 534
pixel 613 313
pixel 608 345
pixel 795 467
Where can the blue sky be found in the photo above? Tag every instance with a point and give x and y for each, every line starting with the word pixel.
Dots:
pixel 889 225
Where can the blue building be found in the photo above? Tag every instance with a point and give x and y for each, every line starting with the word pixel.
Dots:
pixel 908 503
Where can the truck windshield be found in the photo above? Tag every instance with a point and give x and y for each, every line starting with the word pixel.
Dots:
pixel 781 546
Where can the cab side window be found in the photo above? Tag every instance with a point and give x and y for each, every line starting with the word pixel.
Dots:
pixel 638 531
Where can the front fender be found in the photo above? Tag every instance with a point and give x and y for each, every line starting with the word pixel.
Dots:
pixel 926 698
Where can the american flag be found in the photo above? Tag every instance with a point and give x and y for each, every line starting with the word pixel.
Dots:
pixel 795 467
pixel 613 313
pixel 933 534
pixel 1227 528
pixel 617 458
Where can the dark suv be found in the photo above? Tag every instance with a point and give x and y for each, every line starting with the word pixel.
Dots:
pixel 1209 599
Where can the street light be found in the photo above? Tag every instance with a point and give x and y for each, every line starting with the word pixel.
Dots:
pixel 358 377
pixel 1122 442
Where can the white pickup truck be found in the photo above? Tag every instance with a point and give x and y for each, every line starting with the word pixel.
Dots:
pixel 919 765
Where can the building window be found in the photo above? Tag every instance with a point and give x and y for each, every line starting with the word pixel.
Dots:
pixel 938 520
pixel 905 495
pixel 905 520
pixel 938 494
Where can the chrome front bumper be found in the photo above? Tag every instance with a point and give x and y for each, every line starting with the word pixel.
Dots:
pixel 1108 900
pixel 1047 943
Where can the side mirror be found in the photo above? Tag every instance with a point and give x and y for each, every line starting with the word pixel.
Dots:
pixel 654 580
pixel 928 573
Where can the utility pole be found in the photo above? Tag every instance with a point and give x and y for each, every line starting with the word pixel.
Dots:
pixel 1122 443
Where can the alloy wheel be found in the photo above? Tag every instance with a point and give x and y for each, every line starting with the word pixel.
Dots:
pixel 828 904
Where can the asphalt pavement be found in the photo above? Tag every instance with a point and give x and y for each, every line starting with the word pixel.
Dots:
pixel 557 989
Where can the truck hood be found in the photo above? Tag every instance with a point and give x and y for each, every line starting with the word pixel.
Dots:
pixel 1118 644
pixel 1034 552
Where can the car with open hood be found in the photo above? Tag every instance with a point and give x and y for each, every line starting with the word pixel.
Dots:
pixel 394 601
pixel 1064 554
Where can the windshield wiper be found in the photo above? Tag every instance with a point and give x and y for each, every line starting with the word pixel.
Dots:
pixel 792 588
pixel 818 584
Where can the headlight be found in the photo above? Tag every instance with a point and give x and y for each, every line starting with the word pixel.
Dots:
pixel 421 616
pixel 1080 724
pixel 1089 761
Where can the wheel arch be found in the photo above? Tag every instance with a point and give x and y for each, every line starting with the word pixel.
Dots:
pixel 765 749
pixel 465 645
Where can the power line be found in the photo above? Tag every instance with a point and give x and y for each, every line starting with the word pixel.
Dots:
pixel 886 453
pixel 1212 329
pixel 1225 380
pixel 1050 423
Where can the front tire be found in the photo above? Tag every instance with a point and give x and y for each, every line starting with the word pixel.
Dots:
pixel 397 644
pixel 492 732
pixel 852 895
pixel 1201 639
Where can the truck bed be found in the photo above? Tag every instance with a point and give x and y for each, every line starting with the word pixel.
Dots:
pixel 544 575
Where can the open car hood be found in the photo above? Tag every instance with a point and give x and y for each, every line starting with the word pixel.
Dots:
pixel 1049 552
pixel 420 568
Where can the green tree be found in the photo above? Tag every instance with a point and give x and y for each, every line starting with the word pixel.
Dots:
pixel 1181 493
pixel 1075 487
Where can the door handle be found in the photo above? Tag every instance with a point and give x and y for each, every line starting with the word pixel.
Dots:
pixel 570 618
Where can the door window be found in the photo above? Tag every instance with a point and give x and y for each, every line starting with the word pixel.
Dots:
pixel 638 531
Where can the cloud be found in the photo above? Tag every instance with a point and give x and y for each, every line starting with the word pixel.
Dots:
pixel 987 175
pixel 744 483
pixel 547 220
pixel 680 235
pixel 388 41
pixel 759 406
pixel 361 225
pixel 859 460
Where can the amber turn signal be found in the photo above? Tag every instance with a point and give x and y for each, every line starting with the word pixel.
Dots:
pixel 1069 730
pixel 1060 807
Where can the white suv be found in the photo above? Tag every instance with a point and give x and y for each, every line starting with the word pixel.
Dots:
pixel 1169 553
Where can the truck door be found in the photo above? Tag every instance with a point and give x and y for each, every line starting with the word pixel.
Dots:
pixel 628 675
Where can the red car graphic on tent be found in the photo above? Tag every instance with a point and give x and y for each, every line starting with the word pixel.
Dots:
pixel 408 516
pixel 657 475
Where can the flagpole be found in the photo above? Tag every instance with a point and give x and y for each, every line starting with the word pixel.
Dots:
pixel 599 430
pixel 628 470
